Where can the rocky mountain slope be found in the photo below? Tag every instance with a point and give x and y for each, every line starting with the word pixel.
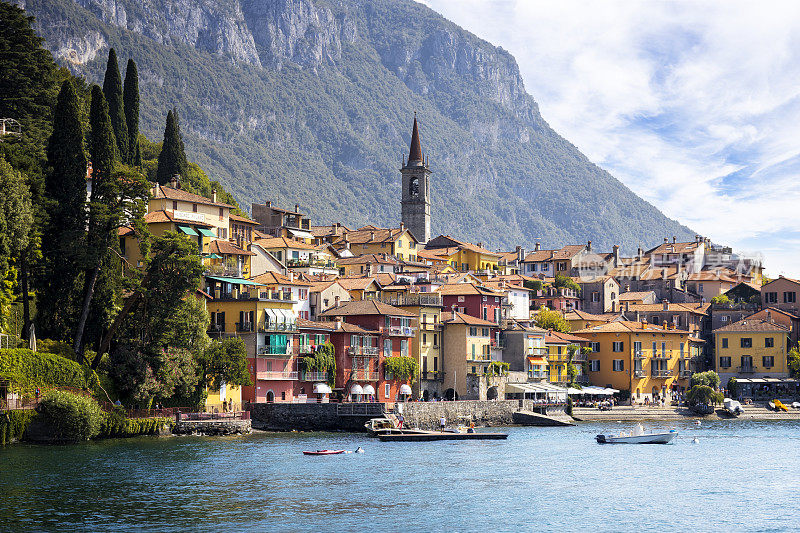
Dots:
pixel 311 102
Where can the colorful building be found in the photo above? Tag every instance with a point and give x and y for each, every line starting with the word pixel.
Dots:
pixel 752 348
pixel 467 352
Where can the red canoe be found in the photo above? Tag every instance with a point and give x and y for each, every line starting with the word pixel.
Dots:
pixel 324 452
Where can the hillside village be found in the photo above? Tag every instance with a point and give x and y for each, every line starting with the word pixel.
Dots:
pixel 471 323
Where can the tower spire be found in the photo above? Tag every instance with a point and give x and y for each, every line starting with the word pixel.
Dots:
pixel 415 151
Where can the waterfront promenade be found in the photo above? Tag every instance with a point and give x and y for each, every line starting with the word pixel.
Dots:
pixel 641 413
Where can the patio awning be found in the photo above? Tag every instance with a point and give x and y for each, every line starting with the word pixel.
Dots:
pixel 405 389
pixel 321 388
pixel 300 234
pixel 187 230
pixel 538 361
pixel 369 389
pixel 207 232
pixel 356 389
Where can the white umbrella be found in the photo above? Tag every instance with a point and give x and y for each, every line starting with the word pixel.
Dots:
pixel 369 389
pixel 356 389
pixel 405 389
pixel 322 388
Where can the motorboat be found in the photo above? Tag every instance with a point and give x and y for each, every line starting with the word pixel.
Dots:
pixel 323 452
pixel 638 436
pixel 796 405
pixel 779 406
pixel 733 407
pixel 379 426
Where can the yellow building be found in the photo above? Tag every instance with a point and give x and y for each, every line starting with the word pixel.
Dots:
pixel 466 350
pixel 361 288
pixel 398 242
pixel 558 347
pixel 463 256
pixel 750 348
pixel 582 320
pixel 225 398
pixel 642 358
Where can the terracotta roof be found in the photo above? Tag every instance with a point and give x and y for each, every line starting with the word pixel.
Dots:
pixel 415 150
pixel 755 325
pixel 302 323
pixel 359 284
pixel 385 278
pixel 465 245
pixel 372 235
pixel 563 337
pixel 463 318
pixel 433 255
pixel 381 259
pixel 366 307
pixel 625 326
pixel 710 275
pixel 155 217
pixel 319 286
pixel 273 278
pixel 329 230
pixel 283 242
pixel 655 273
pixel 509 256
pixel 583 315
pixel 503 285
pixel 186 196
pixel 465 289
pixel 226 248
pixel 569 251
pixel 246 220
pixel 696 308
pixel 675 248
pixel 635 295
pixel 780 278
pixel 541 255
pixel 122 231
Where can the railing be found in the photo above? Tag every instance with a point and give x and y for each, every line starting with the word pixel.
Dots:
pixel 638 355
pixel 362 351
pixel 216 328
pixel 275 296
pixel 430 326
pixel 639 373
pixel 661 373
pixel 360 409
pixel 685 374
pixel 288 374
pixel 583 380
pixel 225 415
pixel 413 298
pixel 480 359
pixel 404 331
pixel 363 375
pixel 313 376
pixel 244 327
pixel 494 343
pixel 277 350
pixel 300 263
pixel 278 326
pixel 537 351
pixel 432 376
pixel 747 369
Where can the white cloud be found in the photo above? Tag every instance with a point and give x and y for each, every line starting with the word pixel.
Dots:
pixel 671 98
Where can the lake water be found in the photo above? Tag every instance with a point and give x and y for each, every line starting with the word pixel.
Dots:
pixel 740 476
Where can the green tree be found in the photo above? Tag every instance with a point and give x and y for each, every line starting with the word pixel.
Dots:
pixel 703 395
pixel 708 378
pixel 172 159
pixel 721 299
pixel 16 223
pixel 548 319
pixel 112 90
pixel 534 285
pixel 566 282
pixel 225 361
pixel 794 361
pixel 64 236
pixel 130 96
pixel 733 387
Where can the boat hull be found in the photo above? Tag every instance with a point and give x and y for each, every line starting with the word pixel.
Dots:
pixel 656 438
pixel 324 452
pixel 421 436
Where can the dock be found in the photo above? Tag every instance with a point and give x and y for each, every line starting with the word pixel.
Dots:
pixel 530 418
pixel 420 436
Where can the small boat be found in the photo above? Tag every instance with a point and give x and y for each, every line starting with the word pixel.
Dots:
pixel 422 436
pixel 733 407
pixel 796 405
pixel 779 406
pixel 638 436
pixel 323 452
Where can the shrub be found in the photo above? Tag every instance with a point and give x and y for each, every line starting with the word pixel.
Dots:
pixel 401 367
pixel 13 424
pixel 733 387
pixel 116 425
pixel 26 370
pixel 72 417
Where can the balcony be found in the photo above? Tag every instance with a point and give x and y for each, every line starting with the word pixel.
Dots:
pixel 430 326
pixel 432 376
pixel 656 373
pixel 244 327
pixel 746 369
pixel 638 355
pixel 402 331
pixel 537 352
pixel 362 351
pixel 480 359
pixel 278 326
pixel 216 328
pixel 318 263
pixel 314 376
pixel 499 344
pixel 639 373
pixel 684 374
pixel 277 350
pixel 284 375
pixel 275 296
pixel 363 375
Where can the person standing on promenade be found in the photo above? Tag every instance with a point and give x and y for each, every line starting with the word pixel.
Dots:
pixel 400 420
pixel 442 423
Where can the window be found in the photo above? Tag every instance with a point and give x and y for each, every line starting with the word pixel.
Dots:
pixel 424 338
pixel 654 319
pixel 485 332
pixel 387 390
pixel 681 350
pixel 460 299
pixel 220 213
pixel 769 342
pixel 663 349
pixel 399 244
pixel 724 362
pixel 700 288
pixel 558 350
pixel 746 342
pixel 789 297
pixel 637 347
pixel 174 205
pixel 404 348
pixel 618 365
pixel 594 365
pixel 595 347
pixel 461 310
pixel 387 347
pixel 724 318
pixel 724 342
pixel 618 346
pixel 595 296
pixel 194 208
pixel 473 331
pixel 768 361
pixel 497 299
pixel 484 298
pixel 771 297
pixel 434 341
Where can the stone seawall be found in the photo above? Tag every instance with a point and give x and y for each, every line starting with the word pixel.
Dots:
pixel 212 427
pixel 313 416
pixel 426 415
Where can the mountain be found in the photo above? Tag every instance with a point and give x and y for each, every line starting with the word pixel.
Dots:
pixel 311 102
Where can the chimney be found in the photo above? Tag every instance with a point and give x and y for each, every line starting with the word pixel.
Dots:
pixel 674 239
pixel 296 208
pixel 291 275
pixel 268 203
pixel 536 247
pixel 589 246
pixel 173 182
pixel 338 321
pixel 627 306
pixel 665 305
pixel 402 226
pixel 372 235
pixel 520 254
pixel 643 324
pixel 769 316
pixel 480 245
pixel 639 253
pixel 666 240
pixel 214 195
pixel 615 250
pixel 336 301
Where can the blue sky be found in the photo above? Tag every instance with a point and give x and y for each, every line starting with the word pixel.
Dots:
pixel 693 105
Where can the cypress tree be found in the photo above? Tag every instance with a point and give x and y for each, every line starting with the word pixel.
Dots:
pixel 172 159
pixel 103 151
pixel 130 96
pixel 112 89
pixel 63 238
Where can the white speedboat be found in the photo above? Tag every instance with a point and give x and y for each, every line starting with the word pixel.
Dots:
pixel 733 407
pixel 638 436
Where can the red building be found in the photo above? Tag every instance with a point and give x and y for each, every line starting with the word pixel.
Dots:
pixel 557 298
pixel 366 332
pixel 473 300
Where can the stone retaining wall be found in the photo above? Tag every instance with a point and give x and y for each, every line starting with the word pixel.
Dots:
pixel 426 415
pixel 310 416
pixel 212 427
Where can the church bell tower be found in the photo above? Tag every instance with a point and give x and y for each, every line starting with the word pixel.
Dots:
pixel 416 202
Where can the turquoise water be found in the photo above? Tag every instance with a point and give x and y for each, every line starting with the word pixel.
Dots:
pixel 740 476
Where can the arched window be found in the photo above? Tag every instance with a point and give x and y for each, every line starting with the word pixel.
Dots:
pixel 413 187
